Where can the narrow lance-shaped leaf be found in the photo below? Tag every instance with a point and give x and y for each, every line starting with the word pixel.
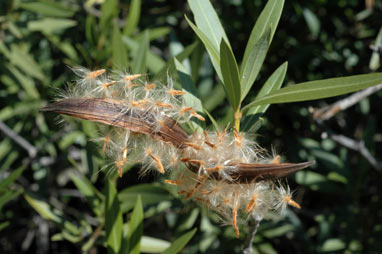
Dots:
pixel 254 63
pixel 188 85
pixel 42 208
pixel 7 196
pixel 212 119
pixel 179 243
pixel 113 219
pixel 154 63
pixel 133 17
pixel 11 177
pixel 273 83
pixel 45 210
pixel 181 56
pixel 312 21
pixel 136 227
pixel 158 32
pixel 153 245
pixel 230 74
pixel 269 18
pixel 51 25
pixel 191 97
pixel 253 113
pixel 24 60
pixel 50 8
pixel 4 225
pixel 119 53
pixel 211 50
pixel 321 89
pixel 139 62
pixel 208 21
pixel 89 192
pixel 150 195
pixel 375 60
pixel 109 10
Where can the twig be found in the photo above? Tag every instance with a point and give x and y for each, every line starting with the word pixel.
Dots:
pixel 253 226
pixel 376 49
pixel 42 237
pixel 32 151
pixel 320 115
pixel 329 111
pixel 352 144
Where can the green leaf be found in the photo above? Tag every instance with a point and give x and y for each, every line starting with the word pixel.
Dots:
pixel 189 221
pixel 132 18
pixel 90 27
pixel 269 18
pixel 49 8
pixel 11 177
pixel 21 108
pixel 150 195
pixel 212 51
pixel 179 243
pixel 119 53
pixel 51 25
pixel 253 64
pixel 7 162
pixel 230 74
pixel 153 245
pixel 335 176
pixel 8 195
pixel 312 21
pixel 42 208
pixel 4 225
pixel 113 219
pixel 318 182
pixel 208 21
pixel 158 32
pixel 89 192
pixel 212 102
pixel 375 60
pixel 65 46
pixel 109 10
pixel 191 98
pixel 212 119
pixel 188 86
pixel 154 63
pixel 136 227
pixel 26 82
pixel 181 56
pixel 70 138
pixel 139 61
pixel 321 89
pixel 24 60
pixel 273 83
pixel 253 128
pixel 333 244
pixel 278 231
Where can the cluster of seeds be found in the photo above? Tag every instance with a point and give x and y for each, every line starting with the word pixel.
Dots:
pixel 236 203
pixel 219 153
pixel 145 125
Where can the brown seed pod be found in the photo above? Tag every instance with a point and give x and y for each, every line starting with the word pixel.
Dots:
pixel 113 112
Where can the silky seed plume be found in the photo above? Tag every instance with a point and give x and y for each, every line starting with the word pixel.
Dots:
pixel 224 170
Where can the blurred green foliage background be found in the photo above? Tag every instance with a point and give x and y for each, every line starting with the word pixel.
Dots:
pixel 54 198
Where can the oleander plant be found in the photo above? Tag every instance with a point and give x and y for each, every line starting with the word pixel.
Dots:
pixel 138 151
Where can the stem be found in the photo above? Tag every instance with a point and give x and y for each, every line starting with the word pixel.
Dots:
pixel 329 111
pixel 237 117
pixel 32 151
pixel 253 226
